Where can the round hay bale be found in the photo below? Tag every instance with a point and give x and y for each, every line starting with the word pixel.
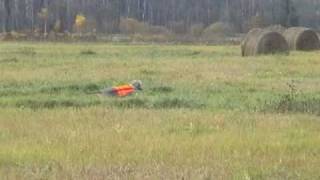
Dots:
pixel 300 38
pixel 260 41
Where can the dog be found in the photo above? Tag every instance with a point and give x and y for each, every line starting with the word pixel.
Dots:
pixel 123 90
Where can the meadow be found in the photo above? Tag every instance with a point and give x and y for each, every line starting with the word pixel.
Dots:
pixel 205 113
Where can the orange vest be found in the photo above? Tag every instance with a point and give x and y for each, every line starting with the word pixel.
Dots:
pixel 124 90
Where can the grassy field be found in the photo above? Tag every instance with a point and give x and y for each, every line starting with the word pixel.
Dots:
pixel 205 113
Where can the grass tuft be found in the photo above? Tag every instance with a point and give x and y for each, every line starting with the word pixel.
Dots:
pixel 172 103
pixel 9 60
pixel 130 103
pixel 88 52
pixel 53 104
pixel 162 89
pixel 75 88
pixel 28 51
pixel 295 102
pixel 288 105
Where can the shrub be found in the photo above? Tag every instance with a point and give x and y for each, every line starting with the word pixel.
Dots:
pixel 218 29
pixel 57 26
pixel 13 36
pixel 91 37
pixel 150 38
pixel 132 26
pixel 196 30
pixel 159 30
pixel 178 27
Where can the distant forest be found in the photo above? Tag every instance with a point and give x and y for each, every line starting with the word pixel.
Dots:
pixel 104 16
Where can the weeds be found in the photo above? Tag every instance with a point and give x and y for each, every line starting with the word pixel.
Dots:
pixel 194 53
pixel 88 52
pixel 172 103
pixel 25 90
pixel 130 103
pixel 148 72
pixel 295 101
pixel 9 60
pixel 75 88
pixel 162 89
pixel 163 103
pixel 54 103
pixel 28 51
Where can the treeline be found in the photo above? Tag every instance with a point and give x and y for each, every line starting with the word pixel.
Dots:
pixel 104 16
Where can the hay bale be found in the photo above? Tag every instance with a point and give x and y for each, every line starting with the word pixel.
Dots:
pixel 300 38
pixel 260 41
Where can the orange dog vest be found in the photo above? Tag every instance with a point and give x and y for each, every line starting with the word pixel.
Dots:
pixel 124 90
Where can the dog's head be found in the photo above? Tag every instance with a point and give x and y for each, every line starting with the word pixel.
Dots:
pixel 137 84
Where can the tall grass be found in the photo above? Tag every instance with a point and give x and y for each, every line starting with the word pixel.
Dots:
pixel 205 113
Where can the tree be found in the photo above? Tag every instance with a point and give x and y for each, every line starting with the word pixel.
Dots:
pixel 80 22
pixel 8 17
pixel 44 15
pixel 292 17
pixel 106 14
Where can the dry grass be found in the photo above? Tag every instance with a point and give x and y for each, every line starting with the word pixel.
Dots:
pixel 206 113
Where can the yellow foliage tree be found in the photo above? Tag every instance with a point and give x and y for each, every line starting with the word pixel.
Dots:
pixel 80 22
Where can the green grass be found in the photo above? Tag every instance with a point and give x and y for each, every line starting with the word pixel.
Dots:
pixel 205 113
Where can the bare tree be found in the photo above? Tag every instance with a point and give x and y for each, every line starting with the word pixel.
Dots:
pixel 8 16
